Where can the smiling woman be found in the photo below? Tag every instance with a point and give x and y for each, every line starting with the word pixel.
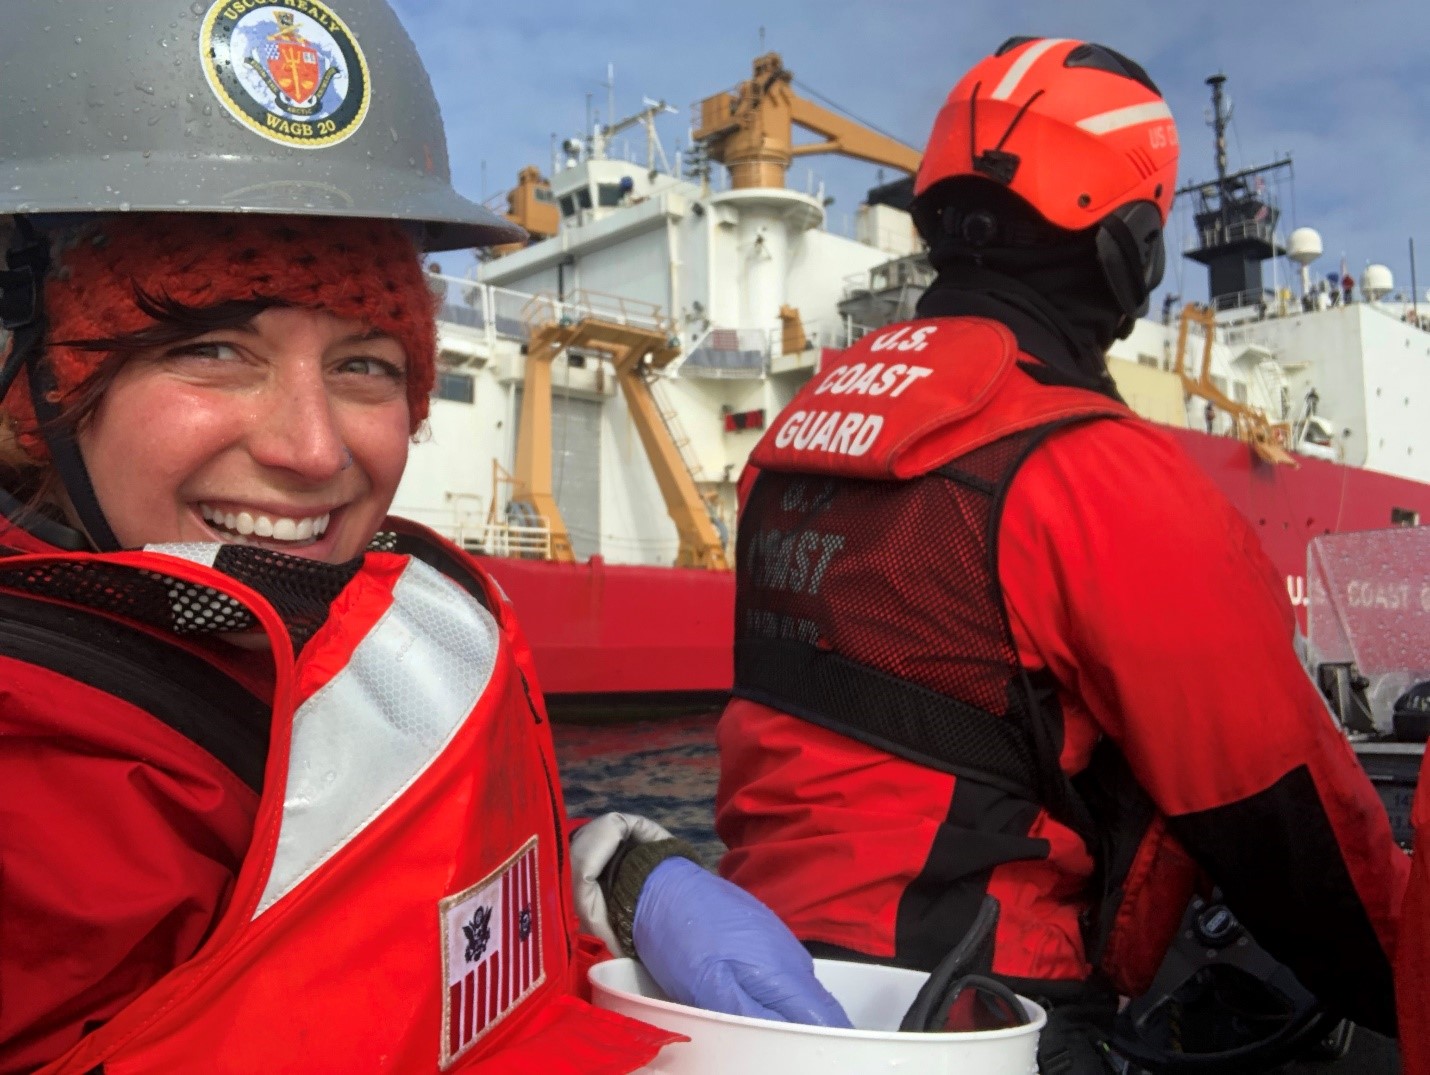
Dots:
pixel 270 350
pixel 258 739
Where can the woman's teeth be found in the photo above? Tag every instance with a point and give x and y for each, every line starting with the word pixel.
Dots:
pixel 243 524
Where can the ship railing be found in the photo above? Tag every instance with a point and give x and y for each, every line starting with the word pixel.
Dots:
pixel 729 353
pixel 909 271
pixel 492 311
pixel 547 308
pixel 1257 303
pixel 461 522
pixel 530 540
pixel 834 332
pixel 1223 232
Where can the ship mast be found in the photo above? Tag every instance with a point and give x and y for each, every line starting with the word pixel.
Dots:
pixel 1235 219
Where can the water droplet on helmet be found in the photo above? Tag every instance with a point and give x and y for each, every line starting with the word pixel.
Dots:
pixel 74 74
pixel 78 40
pixel 124 207
pixel 143 87
pixel 16 187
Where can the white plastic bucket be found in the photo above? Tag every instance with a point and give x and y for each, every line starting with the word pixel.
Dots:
pixel 876 999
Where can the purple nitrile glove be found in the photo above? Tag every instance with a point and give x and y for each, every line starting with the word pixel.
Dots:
pixel 711 944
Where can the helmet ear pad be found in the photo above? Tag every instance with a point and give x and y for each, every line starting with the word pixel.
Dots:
pixel 1131 254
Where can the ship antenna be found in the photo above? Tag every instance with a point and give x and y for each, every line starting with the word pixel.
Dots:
pixel 1220 114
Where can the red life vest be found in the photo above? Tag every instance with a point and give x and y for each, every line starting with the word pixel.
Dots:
pixel 868 604
pixel 404 902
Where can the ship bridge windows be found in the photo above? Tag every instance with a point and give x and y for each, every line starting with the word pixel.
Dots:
pixel 454 386
pixel 577 200
pixel 543 194
pixel 609 195
pixel 1404 517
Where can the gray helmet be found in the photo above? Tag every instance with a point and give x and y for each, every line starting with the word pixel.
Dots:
pixel 313 107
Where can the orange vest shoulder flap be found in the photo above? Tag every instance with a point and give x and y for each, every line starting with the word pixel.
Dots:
pixel 902 402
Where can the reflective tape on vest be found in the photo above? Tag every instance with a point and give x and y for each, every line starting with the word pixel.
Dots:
pixel 363 738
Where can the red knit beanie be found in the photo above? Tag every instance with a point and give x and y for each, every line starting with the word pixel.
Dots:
pixel 360 270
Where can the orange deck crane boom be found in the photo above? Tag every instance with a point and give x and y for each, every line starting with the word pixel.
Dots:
pixel 750 130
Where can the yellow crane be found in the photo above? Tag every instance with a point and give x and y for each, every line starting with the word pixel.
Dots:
pixel 750 130
pixel 636 344
pixel 1267 439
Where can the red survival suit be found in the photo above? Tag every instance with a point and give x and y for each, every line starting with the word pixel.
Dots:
pixel 388 891
pixel 940 546
pixel 1412 969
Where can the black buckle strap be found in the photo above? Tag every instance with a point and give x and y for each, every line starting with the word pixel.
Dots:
pixel 195 698
pixel 902 718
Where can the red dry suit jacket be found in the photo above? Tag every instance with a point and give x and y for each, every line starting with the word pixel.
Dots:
pixel 1412 968
pixel 388 891
pixel 1131 587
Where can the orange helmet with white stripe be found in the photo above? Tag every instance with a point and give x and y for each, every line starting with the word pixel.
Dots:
pixel 1077 132
pixel 1074 129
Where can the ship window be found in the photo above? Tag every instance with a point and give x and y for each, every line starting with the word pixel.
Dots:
pixel 1404 517
pixel 568 206
pixel 458 387
pixel 1148 360
pixel 543 194
pixel 610 193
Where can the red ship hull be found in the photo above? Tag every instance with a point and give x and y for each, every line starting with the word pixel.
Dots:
pixel 600 629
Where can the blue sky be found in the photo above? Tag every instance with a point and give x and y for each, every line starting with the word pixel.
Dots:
pixel 1344 88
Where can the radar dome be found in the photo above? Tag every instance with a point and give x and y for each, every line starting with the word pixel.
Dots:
pixel 1377 282
pixel 1304 246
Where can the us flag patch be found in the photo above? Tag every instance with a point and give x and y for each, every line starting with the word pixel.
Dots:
pixel 491 951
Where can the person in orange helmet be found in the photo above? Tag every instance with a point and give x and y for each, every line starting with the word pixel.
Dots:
pixel 984 612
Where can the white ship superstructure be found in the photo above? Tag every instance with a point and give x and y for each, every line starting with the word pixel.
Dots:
pixel 751 286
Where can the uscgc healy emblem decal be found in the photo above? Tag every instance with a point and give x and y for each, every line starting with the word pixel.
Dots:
pixel 491 951
pixel 289 70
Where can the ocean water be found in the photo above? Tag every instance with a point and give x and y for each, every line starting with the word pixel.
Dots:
pixel 663 769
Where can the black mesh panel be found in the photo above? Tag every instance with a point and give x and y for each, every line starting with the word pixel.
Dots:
pixel 300 590
pixel 894 576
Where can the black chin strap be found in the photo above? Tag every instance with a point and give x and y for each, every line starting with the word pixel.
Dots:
pixel 21 282
pixel 22 312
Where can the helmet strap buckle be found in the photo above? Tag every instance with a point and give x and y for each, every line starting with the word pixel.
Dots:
pixel 997 164
pixel 28 259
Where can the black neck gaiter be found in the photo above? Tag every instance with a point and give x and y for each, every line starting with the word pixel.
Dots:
pixel 1050 298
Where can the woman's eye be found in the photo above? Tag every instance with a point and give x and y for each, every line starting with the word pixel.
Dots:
pixel 210 349
pixel 373 367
